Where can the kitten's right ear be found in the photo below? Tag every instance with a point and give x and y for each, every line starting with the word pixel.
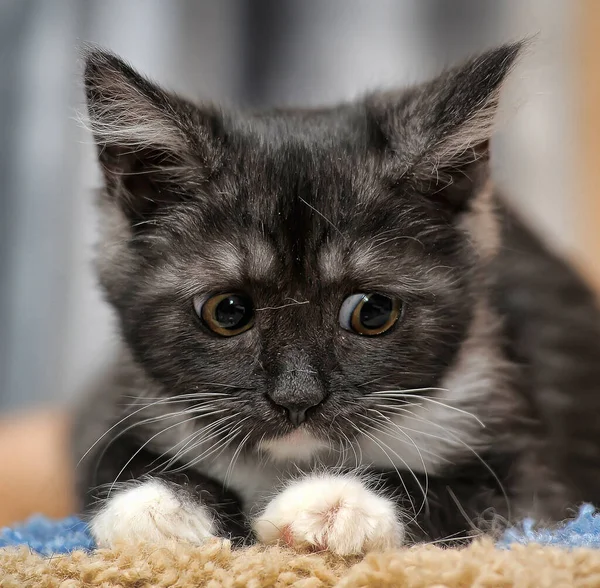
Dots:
pixel 437 134
pixel 154 147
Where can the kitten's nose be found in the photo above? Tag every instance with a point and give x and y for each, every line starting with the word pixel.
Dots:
pixel 296 411
pixel 298 387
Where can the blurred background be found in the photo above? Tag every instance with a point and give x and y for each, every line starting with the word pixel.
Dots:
pixel 55 330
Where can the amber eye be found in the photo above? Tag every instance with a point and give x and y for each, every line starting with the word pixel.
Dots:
pixel 369 314
pixel 226 314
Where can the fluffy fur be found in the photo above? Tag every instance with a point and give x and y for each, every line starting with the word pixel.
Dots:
pixel 151 512
pixel 335 513
pixel 468 411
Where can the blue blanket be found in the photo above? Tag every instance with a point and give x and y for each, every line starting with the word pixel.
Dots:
pixel 49 537
pixel 582 531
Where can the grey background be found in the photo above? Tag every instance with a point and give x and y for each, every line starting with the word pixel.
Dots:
pixel 55 331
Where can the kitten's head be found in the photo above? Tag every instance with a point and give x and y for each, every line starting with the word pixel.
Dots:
pixel 284 268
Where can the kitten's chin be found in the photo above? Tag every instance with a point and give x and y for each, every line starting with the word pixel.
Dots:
pixel 299 446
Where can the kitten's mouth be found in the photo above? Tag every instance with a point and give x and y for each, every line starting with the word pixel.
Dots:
pixel 299 445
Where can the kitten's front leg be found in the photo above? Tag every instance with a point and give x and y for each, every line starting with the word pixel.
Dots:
pixel 338 513
pixel 153 511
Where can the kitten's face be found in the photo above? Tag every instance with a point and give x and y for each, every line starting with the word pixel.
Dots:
pixel 245 242
pixel 261 236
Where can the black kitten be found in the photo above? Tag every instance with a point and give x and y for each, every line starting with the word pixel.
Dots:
pixel 334 334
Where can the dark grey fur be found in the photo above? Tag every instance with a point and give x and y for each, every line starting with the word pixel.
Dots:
pixel 299 209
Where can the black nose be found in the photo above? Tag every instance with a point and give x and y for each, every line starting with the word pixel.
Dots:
pixel 297 387
pixel 296 411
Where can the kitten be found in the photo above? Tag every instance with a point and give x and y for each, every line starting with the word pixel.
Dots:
pixel 335 334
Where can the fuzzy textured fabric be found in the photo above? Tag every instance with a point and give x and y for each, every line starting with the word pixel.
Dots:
pixel 48 537
pixel 521 563
pixel 582 531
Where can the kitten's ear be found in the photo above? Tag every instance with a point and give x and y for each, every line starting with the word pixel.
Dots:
pixel 154 147
pixel 437 134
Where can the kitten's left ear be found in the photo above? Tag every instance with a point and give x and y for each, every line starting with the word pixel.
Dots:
pixel 153 146
pixel 437 134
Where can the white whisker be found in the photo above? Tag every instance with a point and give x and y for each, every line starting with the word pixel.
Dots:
pixel 424 503
pixel 193 440
pixel 196 411
pixel 406 391
pixel 388 422
pixel 410 415
pixel 398 395
pixel 162 431
pixel 179 398
pixel 375 440
pixel 231 435
pixel 235 457
pixel 128 416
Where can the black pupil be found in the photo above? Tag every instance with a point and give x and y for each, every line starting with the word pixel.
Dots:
pixel 233 312
pixel 376 311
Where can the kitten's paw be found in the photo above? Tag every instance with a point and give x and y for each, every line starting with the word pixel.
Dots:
pixel 151 512
pixel 337 513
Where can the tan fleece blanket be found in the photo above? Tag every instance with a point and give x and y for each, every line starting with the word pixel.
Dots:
pixel 216 565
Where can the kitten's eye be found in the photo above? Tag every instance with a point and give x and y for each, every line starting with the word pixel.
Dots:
pixel 369 314
pixel 226 314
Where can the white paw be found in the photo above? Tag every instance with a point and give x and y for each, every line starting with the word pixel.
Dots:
pixel 337 513
pixel 150 512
